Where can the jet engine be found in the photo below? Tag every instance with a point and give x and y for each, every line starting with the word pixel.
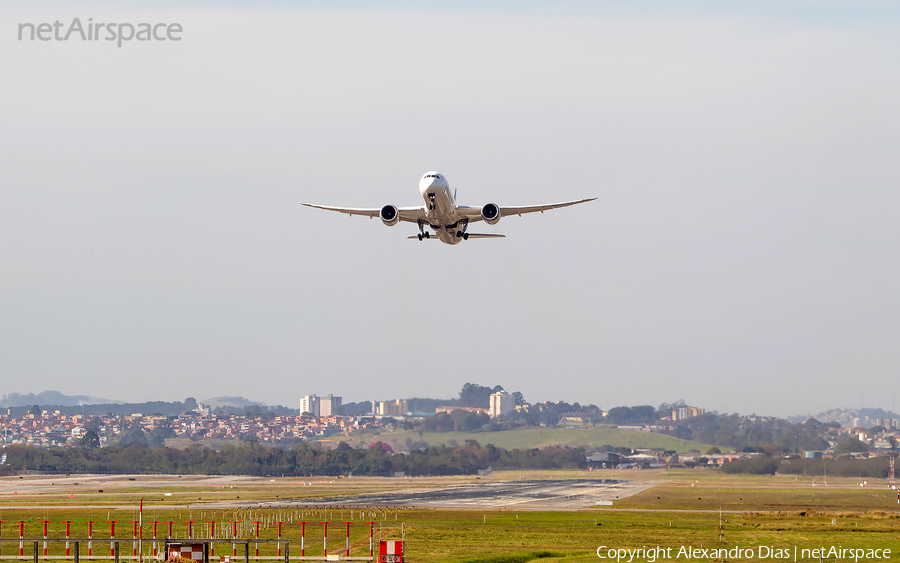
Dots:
pixel 490 213
pixel 389 215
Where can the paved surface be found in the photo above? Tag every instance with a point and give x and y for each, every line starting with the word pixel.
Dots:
pixel 59 487
pixel 573 494
pixel 93 483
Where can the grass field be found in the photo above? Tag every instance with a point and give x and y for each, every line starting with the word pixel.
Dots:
pixel 458 536
pixel 779 511
pixel 530 437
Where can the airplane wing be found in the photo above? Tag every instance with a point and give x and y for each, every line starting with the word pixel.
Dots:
pixel 409 214
pixel 474 213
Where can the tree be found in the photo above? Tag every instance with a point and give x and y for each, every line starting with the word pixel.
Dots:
pixel 468 421
pixel 157 437
pixel 632 415
pixel 257 411
pixel 713 450
pixel 90 440
pixel 530 419
pixel 190 404
pixel 851 445
pixel 477 396
pixel 438 423
pixel 35 410
pixel 518 398
pixel 134 434
pixel 473 421
pixel 95 424
pixel 666 408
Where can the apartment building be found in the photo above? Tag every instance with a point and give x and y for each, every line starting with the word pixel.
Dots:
pixel 309 405
pixel 398 407
pixel 685 412
pixel 502 403
pixel 329 406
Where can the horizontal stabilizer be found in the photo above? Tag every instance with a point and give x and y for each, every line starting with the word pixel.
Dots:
pixel 471 235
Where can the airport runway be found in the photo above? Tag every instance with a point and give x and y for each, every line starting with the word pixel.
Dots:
pixel 575 494
pixel 531 494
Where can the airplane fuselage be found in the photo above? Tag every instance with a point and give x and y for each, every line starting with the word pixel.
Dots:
pixel 441 211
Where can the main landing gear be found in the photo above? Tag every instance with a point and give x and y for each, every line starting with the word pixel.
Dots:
pixel 463 233
pixel 422 232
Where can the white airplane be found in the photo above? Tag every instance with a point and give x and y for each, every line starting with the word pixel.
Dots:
pixel 440 212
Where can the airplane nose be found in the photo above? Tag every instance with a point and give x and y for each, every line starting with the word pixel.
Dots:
pixel 427 184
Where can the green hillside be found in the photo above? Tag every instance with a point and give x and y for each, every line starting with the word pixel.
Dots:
pixel 530 437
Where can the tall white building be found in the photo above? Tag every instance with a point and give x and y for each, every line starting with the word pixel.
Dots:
pixel 502 403
pixel 330 405
pixel 309 405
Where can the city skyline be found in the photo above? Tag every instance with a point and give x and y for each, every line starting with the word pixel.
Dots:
pixel 377 402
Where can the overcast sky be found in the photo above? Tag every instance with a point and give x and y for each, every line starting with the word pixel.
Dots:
pixel 743 253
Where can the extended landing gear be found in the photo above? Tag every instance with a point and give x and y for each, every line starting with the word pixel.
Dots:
pixel 422 233
pixel 463 233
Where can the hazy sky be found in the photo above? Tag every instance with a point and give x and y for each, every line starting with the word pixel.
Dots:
pixel 743 253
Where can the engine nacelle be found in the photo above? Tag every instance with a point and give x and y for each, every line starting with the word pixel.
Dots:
pixel 389 215
pixel 490 213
